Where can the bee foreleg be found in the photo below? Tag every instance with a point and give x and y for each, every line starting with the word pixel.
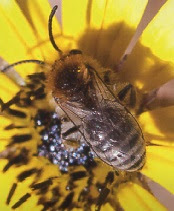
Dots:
pixel 125 92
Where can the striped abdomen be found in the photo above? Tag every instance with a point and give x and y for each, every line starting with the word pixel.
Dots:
pixel 116 137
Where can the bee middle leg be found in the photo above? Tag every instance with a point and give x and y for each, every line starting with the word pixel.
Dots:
pixel 70 133
pixel 127 95
pixel 125 92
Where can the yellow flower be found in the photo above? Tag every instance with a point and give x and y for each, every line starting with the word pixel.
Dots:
pixel 101 29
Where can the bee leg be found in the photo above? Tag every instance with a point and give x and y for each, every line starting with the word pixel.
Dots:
pixel 107 77
pixel 125 92
pixel 71 137
pixel 71 130
pixel 128 95
pixel 70 133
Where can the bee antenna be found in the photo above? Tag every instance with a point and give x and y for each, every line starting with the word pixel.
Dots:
pixel 22 62
pixel 53 11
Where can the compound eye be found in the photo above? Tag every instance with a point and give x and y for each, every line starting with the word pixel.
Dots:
pixel 75 51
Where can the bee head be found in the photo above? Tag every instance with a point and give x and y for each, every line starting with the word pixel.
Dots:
pixel 69 77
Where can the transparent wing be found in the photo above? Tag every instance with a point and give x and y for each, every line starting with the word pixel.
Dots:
pixel 97 96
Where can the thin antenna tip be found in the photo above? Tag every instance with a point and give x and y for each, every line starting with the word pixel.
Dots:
pixel 55 7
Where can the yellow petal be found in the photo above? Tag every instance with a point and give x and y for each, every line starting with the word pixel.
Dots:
pixel 17 37
pixel 8 88
pixel 74 17
pixel 160 32
pixel 158 127
pixel 160 166
pixel 107 207
pixel 96 14
pixel 104 207
pixel 22 188
pixel 133 197
pixel 37 13
pixel 150 12
pixel 148 124
pixel 124 11
pixel 118 25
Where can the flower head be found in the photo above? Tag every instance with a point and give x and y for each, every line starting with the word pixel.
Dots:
pixel 39 171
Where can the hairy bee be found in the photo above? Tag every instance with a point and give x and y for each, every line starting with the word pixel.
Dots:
pixel 103 122
pixel 98 115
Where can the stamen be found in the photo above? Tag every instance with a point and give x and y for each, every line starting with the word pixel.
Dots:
pixel 158 97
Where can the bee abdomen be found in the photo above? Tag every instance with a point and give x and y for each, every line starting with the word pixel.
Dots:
pixel 118 140
pixel 129 155
pixel 125 153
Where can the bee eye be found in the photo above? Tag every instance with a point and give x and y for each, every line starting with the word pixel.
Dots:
pixel 75 51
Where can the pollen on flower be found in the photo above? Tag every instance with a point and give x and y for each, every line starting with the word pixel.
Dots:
pixel 53 147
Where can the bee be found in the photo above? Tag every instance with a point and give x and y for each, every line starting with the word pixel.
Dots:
pixel 101 120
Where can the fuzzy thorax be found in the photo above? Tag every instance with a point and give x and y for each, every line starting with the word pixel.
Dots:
pixel 69 77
